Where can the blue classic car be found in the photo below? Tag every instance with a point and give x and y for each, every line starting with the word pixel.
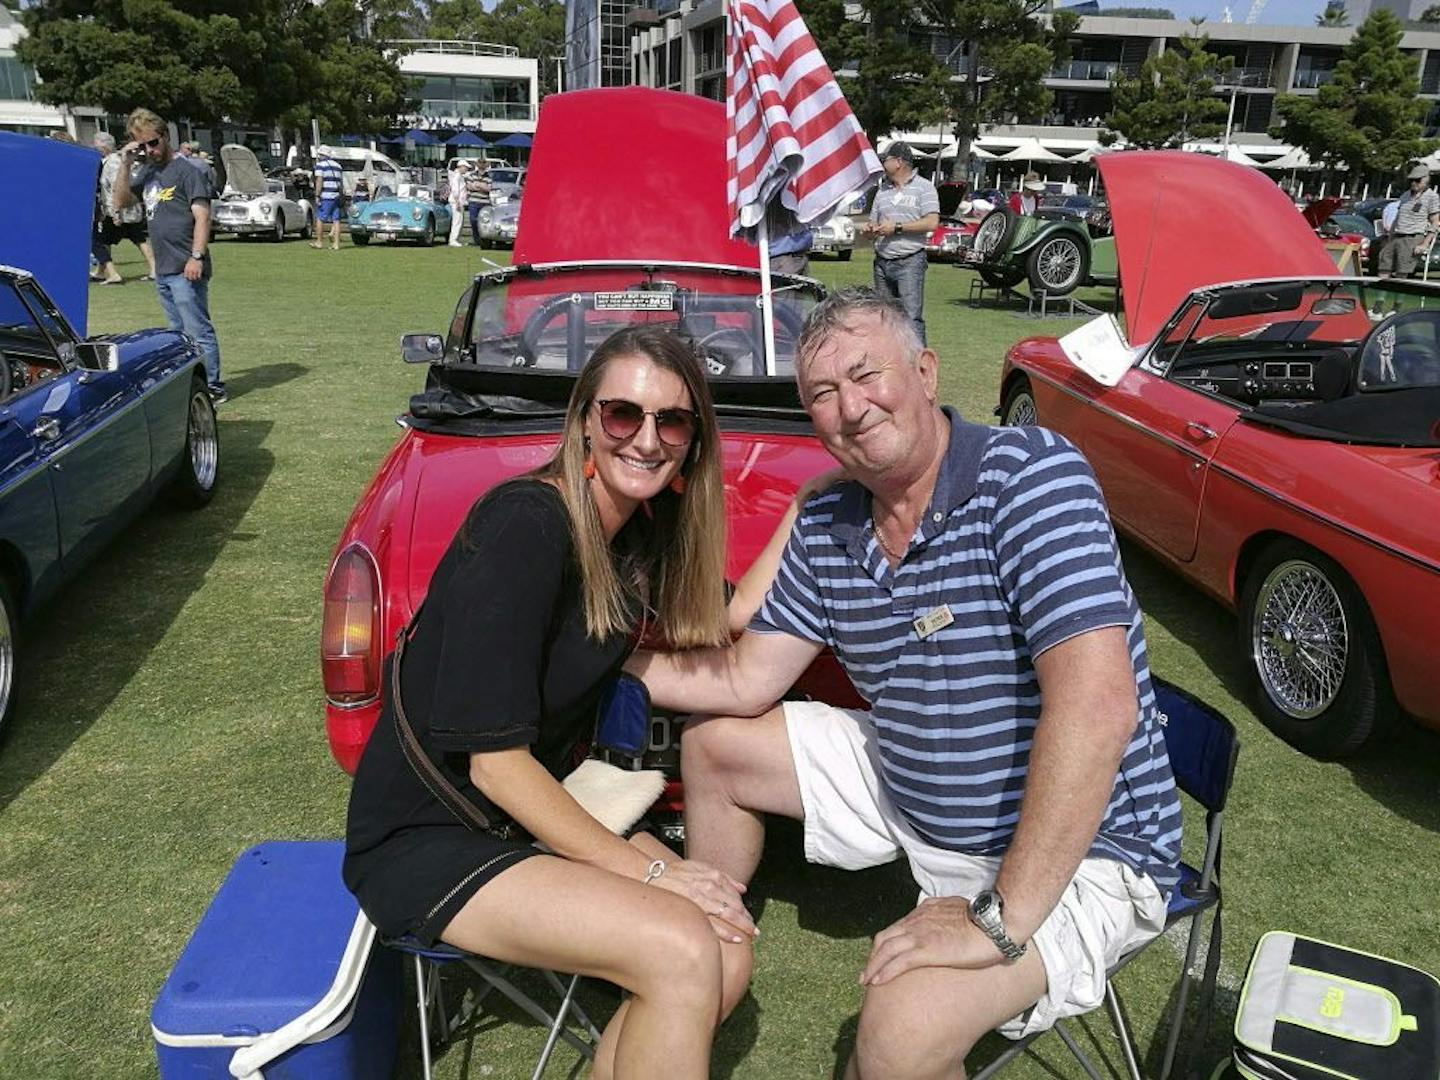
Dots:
pixel 411 212
pixel 91 428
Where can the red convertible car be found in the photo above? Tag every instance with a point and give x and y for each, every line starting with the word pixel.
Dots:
pixel 1276 441
pixel 499 378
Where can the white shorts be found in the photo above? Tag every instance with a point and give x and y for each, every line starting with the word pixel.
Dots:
pixel 1107 910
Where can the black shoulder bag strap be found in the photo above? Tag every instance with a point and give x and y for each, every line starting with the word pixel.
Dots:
pixel 430 775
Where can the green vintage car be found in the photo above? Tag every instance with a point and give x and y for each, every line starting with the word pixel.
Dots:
pixel 1055 253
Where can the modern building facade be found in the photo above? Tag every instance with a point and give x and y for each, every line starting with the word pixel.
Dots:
pixel 472 84
pixel 681 44
pixel 597 42
pixel 19 108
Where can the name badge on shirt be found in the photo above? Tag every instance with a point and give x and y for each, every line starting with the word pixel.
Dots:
pixel 933 620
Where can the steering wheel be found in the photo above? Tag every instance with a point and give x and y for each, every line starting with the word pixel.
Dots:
pixel 722 351
pixel 6 376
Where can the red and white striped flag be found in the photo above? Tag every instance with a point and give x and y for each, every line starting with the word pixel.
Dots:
pixel 790 130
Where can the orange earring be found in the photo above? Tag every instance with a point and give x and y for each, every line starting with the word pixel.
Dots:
pixel 589 469
pixel 679 484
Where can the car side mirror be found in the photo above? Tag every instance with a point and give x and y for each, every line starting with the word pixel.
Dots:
pixel 98 355
pixel 422 348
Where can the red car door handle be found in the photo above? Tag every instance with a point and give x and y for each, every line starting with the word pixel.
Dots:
pixel 1197 430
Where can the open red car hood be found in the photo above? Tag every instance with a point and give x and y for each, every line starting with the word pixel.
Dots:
pixel 600 204
pixel 1184 221
pixel 448 473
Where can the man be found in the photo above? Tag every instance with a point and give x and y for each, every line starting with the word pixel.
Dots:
pixel 789 242
pixel 477 195
pixel 177 197
pixel 906 210
pixel 1416 223
pixel 329 194
pixel 968 580
pixel 117 225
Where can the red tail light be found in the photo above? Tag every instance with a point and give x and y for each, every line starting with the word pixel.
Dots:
pixel 350 642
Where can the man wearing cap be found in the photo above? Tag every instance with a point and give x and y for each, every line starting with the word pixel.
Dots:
pixel 906 210
pixel 1415 226
pixel 329 191
pixel 1027 198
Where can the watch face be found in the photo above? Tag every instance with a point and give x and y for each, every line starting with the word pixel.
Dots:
pixel 982 904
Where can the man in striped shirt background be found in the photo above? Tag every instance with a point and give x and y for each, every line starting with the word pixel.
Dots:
pixel 968 580
pixel 329 195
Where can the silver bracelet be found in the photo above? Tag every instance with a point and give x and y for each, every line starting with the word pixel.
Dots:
pixel 655 869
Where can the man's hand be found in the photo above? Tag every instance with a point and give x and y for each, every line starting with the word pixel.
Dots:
pixel 194 269
pixel 938 933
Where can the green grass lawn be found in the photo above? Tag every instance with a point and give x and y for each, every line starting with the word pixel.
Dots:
pixel 171 713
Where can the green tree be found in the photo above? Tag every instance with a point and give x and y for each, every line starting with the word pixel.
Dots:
pixel 259 61
pixel 1431 14
pixel 1334 15
pixel 1008 53
pixel 1171 101
pixel 535 27
pixel 1368 116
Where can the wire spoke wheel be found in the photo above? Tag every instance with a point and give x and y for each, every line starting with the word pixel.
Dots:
pixel 989 235
pixel 203 443
pixel 7 660
pixel 1301 639
pixel 1058 264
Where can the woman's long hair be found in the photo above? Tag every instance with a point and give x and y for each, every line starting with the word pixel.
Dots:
pixel 673 559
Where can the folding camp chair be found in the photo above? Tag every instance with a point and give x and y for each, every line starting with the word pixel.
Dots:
pixel 436 1020
pixel 1203 747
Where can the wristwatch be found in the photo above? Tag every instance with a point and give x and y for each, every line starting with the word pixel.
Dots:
pixel 985 911
pixel 896 230
pixel 197 255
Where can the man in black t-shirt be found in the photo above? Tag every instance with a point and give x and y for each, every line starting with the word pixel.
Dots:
pixel 177 203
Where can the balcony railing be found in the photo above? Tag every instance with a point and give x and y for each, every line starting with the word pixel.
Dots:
pixel 1092 70
pixel 476 110
pixel 1243 77
pixel 1313 78
pixel 457 48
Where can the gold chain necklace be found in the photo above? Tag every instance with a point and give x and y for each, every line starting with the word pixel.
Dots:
pixel 880 539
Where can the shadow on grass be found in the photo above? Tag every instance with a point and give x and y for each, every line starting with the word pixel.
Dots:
pixel 1398 772
pixel 264 376
pixel 80 651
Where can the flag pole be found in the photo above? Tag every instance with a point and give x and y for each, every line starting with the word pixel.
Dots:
pixel 767 298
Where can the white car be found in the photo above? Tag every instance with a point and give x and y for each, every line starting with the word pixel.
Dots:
pixel 506 184
pixel 252 204
pixel 835 237
pixel 498 224
pixel 374 166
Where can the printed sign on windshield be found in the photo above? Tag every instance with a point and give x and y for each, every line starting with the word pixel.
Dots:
pixel 634 301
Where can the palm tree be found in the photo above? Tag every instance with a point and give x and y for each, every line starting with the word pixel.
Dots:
pixel 1334 15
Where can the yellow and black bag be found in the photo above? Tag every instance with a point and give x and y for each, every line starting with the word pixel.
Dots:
pixel 1310 1010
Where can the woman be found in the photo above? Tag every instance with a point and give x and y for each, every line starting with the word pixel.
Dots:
pixel 530 612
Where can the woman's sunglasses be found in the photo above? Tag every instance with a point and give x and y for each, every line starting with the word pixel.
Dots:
pixel 621 419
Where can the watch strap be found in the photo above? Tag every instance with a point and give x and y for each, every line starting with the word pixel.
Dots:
pixel 993 927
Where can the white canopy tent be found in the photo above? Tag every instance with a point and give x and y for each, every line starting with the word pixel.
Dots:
pixel 1293 159
pixel 1031 150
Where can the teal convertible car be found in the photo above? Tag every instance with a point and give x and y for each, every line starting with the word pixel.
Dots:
pixel 409 213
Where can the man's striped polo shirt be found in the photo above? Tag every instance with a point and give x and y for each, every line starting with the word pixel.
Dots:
pixel 1017 545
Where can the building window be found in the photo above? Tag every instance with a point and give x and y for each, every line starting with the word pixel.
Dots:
pixel 473 97
pixel 677 65
pixel 17 81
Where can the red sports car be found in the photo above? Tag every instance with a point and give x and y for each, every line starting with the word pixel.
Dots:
pixel 499 378
pixel 1276 441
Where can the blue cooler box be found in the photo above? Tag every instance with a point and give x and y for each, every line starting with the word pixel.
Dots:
pixel 283 978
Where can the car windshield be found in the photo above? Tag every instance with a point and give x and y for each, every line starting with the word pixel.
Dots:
pixel 504 176
pixel 1388 333
pixel 551 319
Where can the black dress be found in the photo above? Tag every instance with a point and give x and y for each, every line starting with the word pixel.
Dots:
pixel 500 658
